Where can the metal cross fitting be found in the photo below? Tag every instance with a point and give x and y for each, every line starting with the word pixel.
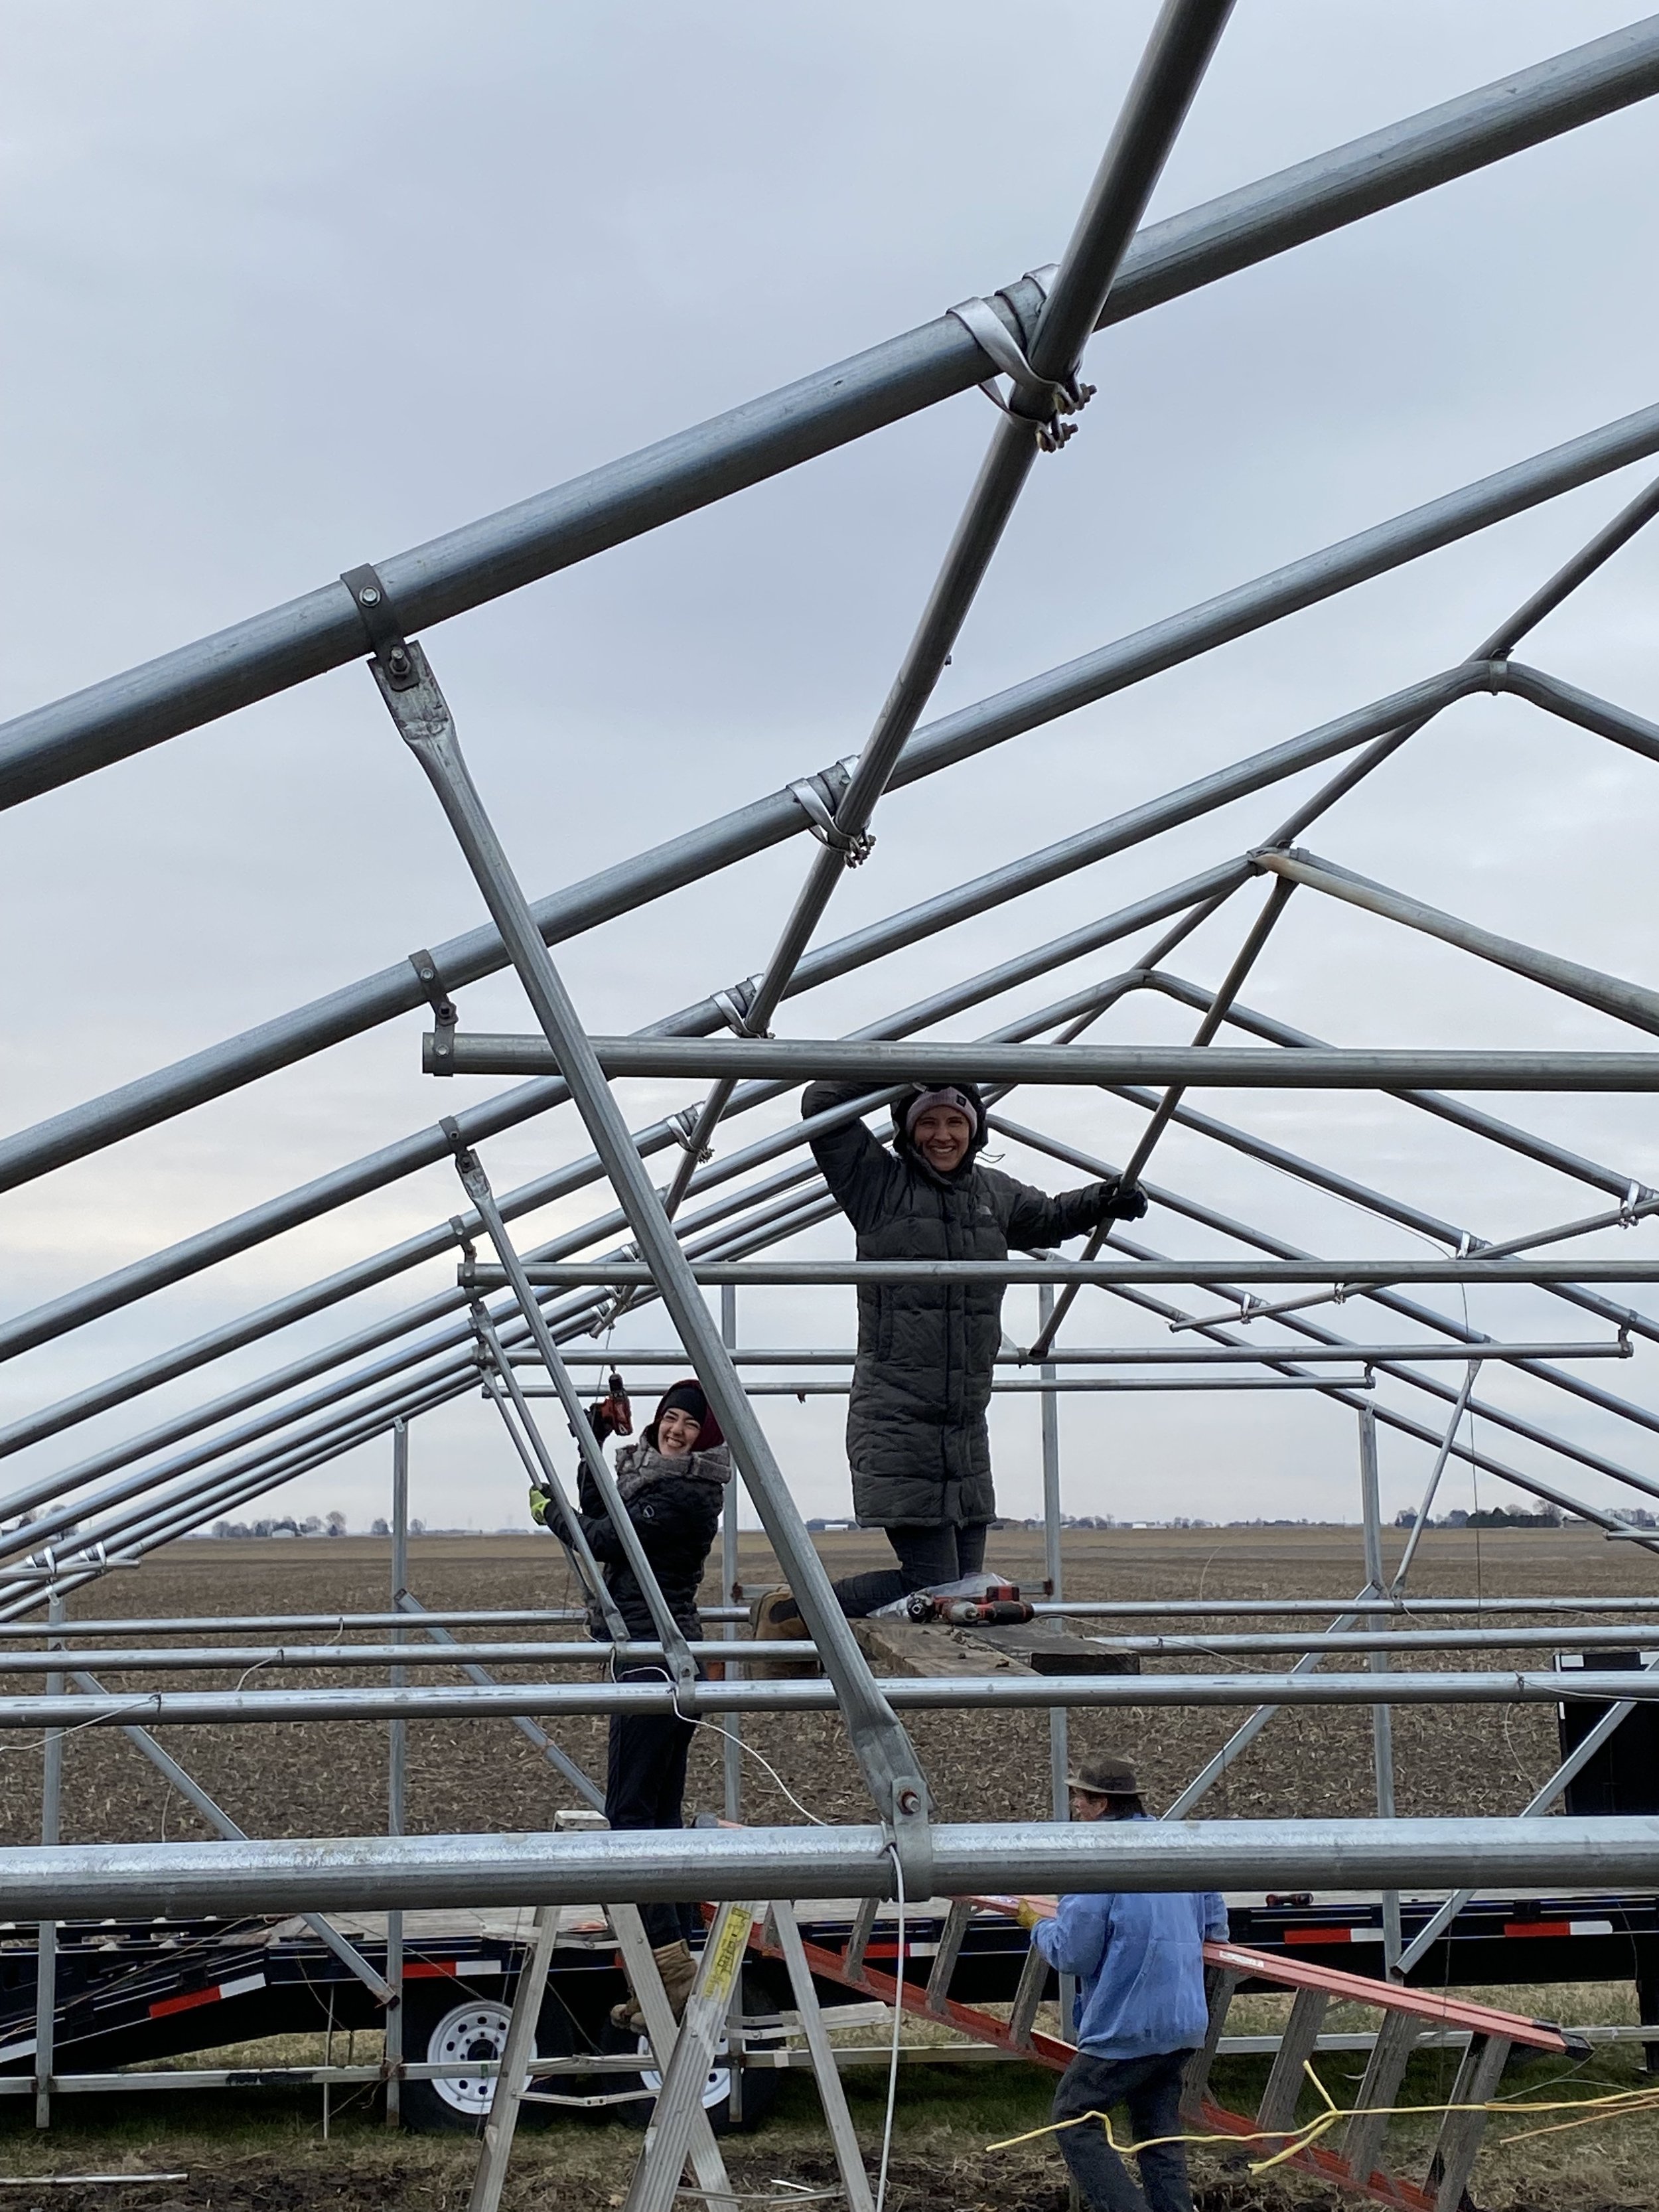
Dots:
pixel 854 845
pixel 381 626
pixel 1056 396
pixel 442 1057
pixel 737 1004
pixel 462 1234
pixel 683 1126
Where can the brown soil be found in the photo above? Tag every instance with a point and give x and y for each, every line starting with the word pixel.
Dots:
pixel 439 2178
pixel 483 1775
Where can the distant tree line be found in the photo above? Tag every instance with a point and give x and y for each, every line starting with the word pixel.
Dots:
pixel 1509 1516
pixel 315 1524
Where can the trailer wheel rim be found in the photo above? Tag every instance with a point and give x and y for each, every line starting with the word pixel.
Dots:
pixel 715 2090
pixel 476 2031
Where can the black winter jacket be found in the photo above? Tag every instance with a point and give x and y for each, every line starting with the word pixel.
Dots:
pixel 916 1438
pixel 675 1517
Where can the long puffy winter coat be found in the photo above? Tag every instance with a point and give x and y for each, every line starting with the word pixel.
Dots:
pixel 916 1437
pixel 675 1507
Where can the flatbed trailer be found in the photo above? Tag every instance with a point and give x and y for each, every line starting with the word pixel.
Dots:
pixel 135 1997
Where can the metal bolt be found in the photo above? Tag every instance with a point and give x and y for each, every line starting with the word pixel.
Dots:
pixel 909 1801
pixel 397 662
pixel 368 596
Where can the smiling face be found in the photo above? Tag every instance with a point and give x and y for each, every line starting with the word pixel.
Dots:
pixel 677 1433
pixel 942 1136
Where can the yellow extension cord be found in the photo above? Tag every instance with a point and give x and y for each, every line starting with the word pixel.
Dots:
pixel 1615 2106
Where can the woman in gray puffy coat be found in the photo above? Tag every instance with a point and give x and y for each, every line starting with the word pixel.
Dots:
pixel 916 1437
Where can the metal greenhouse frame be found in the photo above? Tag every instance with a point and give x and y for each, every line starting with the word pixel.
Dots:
pixel 706 1216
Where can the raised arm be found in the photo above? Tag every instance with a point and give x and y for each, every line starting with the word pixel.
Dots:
pixel 859 1171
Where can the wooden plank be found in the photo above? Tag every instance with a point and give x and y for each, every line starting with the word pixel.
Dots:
pixel 1459 2143
pixel 1286 2082
pixel 909 1647
pixel 1362 2139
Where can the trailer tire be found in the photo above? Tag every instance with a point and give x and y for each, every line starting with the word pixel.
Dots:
pixel 451 2025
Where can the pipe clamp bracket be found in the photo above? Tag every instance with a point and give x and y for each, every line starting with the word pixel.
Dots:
pixel 381 626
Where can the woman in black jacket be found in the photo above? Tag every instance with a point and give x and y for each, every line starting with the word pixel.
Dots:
pixel 673 1483
pixel 916 1436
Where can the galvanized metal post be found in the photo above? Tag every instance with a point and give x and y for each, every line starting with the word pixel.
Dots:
pixel 1058 1755
pixel 45 1971
pixel 1382 1717
pixel 397 1775
pixel 1060 1759
pixel 732 1747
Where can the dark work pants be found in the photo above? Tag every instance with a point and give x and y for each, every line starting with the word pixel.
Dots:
pixel 1151 2088
pixel 644 1785
pixel 926 1556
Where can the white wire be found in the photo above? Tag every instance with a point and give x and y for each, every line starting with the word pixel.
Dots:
pixel 898 2021
pixel 716 1728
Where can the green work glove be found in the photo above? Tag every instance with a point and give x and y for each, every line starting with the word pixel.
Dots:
pixel 540 1502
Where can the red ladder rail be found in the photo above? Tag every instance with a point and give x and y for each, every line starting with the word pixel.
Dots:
pixel 1237 1962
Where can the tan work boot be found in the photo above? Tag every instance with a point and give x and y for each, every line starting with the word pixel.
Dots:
pixel 775 1618
pixel 678 1970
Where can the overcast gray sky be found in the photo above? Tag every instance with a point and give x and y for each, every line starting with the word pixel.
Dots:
pixel 287 290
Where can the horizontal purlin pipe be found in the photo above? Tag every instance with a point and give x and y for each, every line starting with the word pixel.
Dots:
pixel 817 1387
pixel 504 551
pixel 943 1060
pixel 1402 1608
pixel 570 1652
pixel 373 1873
pixel 363 1005
pixel 903 1693
pixel 1608 994
pixel 1356 1273
pixel 1130 1355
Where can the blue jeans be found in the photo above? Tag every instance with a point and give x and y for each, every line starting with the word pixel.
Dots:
pixel 926 1556
pixel 1151 2088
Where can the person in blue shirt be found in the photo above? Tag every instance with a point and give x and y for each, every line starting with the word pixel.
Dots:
pixel 1141 2011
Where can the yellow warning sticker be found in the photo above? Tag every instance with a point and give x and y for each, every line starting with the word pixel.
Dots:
pixel 727 1945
